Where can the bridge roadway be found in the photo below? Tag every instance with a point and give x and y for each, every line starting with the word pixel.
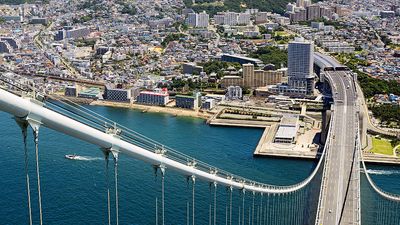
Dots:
pixel 340 184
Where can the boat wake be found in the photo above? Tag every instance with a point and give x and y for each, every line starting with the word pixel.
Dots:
pixel 383 172
pixel 85 158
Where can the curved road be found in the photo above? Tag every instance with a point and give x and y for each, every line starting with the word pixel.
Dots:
pixel 340 190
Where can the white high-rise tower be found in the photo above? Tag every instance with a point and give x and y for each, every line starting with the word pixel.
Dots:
pixel 300 65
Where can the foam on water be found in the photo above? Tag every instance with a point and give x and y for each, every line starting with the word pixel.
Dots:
pixel 383 172
pixel 87 158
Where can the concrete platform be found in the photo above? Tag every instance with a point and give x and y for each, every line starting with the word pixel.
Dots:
pixel 380 159
pixel 266 147
pixel 239 123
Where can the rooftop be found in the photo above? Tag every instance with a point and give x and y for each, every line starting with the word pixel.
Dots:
pixel 325 61
pixel 286 132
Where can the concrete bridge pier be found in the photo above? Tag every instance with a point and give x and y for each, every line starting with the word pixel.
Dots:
pixel 363 129
pixel 326 117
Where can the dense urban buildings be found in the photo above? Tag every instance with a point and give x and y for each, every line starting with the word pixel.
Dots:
pixel 114 50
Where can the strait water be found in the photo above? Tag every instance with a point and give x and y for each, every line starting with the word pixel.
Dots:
pixel 74 192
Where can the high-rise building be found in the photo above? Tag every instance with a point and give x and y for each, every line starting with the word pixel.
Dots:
pixel 202 20
pixel 290 7
pixel 243 19
pixel 300 14
pixel 313 12
pixel 219 19
pixel 248 74
pixel 307 3
pixel 300 66
pixel 231 18
pixel 261 17
pixel 191 19
pixel 300 3
pixel 327 12
pixel 198 19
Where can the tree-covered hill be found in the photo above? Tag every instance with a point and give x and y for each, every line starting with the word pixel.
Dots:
pixel 214 6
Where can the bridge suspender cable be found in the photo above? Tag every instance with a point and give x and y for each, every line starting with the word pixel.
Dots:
pixel 162 170
pixel 226 207
pixel 243 207
pixel 106 155
pixel 215 202
pixel 239 213
pixel 261 209
pixel 115 154
pixel 187 213
pixel 252 209
pixel 36 140
pixel 209 203
pixel 193 198
pixel 24 127
pixel 229 189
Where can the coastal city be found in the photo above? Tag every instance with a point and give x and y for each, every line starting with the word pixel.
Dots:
pixel 252 68
pixel 298 93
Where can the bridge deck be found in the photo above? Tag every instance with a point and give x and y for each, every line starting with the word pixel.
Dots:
pixel 340 192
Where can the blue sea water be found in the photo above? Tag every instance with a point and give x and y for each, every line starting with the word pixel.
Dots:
pixel 74 192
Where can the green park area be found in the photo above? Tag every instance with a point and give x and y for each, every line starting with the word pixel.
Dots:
pixel 281 33
pixel 381 146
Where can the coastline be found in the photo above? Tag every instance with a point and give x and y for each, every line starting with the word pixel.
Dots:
pixel 373 159
pixel 155 109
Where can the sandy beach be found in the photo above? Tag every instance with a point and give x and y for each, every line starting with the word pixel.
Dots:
pixel 157 109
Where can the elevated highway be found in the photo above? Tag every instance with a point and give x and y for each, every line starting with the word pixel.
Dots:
pixel 339 199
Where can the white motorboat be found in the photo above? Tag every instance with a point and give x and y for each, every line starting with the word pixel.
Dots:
pixel 72 157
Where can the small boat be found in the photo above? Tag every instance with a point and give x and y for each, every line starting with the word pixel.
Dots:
pixel 72 157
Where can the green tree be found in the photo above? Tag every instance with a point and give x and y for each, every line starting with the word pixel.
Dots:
pixel 271 55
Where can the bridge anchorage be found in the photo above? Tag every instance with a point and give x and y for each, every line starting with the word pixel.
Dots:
pixel 329 195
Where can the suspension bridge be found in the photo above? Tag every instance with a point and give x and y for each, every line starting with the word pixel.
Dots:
pixel 329 195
